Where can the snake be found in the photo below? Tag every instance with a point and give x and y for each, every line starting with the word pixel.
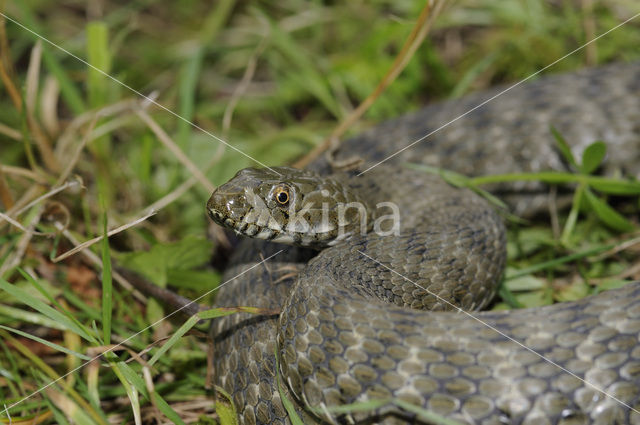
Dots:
pixel 384 305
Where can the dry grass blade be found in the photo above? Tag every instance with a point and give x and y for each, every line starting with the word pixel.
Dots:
pixel 76 155
pixel 17 253
pixel 93 258
pixel 65 142
pixel 173 147
pixel 31 92
pixel 49 106
pixel 5 193
pixel 413 41
pixel 18 224
pixel 5 67
pixel 10 132
pixel 589 26
pixel 185 186
pixel 33 192
pixel 47 195
pixel 241 87
pixel 22 172
pixel 97 239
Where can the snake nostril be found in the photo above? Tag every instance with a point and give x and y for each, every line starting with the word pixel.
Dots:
pixel 216 206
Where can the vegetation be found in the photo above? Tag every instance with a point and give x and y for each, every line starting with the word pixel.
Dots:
pixel 84 147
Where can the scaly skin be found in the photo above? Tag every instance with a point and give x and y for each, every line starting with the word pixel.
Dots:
pixel 340 342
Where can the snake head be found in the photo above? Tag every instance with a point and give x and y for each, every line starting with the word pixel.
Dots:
pixel 289 206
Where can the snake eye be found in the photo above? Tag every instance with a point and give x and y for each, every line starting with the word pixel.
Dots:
pixel 281 195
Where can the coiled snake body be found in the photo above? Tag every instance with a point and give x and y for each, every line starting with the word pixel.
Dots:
pixel 351 329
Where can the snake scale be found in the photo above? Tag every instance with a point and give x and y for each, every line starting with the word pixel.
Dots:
pixel 351 326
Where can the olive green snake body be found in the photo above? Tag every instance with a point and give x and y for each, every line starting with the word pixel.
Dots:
pixel 347 333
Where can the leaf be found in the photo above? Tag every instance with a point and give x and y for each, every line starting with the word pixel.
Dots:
pixel 193 279
pixel 524 283
pixel 534 298
pixel 564 148
pixel 225 408
pixel 608 215
pixel 155 264
pixel 611 283
pixel 528 241
pixel 576 290
pixel 614 187
pixel 592 157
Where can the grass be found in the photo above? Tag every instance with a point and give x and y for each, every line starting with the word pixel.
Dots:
pixel 273 81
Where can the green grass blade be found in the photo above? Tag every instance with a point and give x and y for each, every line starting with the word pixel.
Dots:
pixel 189 75
pixel 30 317
pixel 613 186
pixel 193 321
pixel 98 56
pixel 93 411
pixel 361 406
pixel 70 93
pixel 68 89
pixel 45 342
pixel 75 412
pixel 186 326
pixel 139 384
pixel 608 215
pixel 557 261
pixel 98 86
pixel 507 296
pixel 134 378
pixel 131 390
pixel 166 410
pixel 288 405
pixel 187 84
pixel 572 218
pixel 304 73
pixel 45 309
pixel 602 184
pixel 107 284
pixel 426 414
pixel 225 311
pixel 52 300
pixel 564 148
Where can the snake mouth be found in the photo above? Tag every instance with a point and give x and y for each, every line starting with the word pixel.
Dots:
pixel 242 227
pixel 223 220
pixel 268 233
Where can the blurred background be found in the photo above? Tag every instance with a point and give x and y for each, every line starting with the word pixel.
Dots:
pixel 272 80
